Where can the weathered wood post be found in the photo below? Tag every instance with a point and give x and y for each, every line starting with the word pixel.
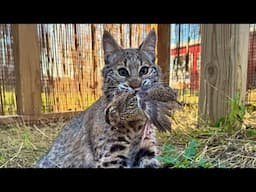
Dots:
pixel 27 69
pixel 223 73
pixel 163 50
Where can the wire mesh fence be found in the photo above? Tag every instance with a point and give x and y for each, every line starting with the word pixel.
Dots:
pixel 7 76
pixel 72 59
pixel 185 61
pixel 251 70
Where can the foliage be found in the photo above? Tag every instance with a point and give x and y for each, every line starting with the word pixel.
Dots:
pixel 189 158
pixel 230 143
pixel 234 118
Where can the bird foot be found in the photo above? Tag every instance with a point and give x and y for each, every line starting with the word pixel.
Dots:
pixel 146 130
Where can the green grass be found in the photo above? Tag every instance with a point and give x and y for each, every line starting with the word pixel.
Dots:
pixel 188 158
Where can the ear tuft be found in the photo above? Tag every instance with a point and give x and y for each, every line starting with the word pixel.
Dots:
pixel 149 44
pixel 110 46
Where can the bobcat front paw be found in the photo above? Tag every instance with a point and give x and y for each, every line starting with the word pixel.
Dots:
pixel 112 116
pixel 149 163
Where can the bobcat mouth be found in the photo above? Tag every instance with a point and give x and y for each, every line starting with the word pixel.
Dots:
pixel 126 88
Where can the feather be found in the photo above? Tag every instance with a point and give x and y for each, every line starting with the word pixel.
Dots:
pixel 158 103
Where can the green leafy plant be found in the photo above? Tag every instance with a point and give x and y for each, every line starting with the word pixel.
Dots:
pixel 189 158
pixel 235 117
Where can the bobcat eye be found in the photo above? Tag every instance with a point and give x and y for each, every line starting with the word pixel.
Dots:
pixel 123 72
pixel 143 71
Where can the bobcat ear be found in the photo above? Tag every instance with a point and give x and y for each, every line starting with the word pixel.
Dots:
pixel 110 46
pixel 149 44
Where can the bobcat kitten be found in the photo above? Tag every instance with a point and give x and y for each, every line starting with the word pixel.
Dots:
pixel 109 133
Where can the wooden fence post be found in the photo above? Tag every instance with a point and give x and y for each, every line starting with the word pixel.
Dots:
pixel 224 59
pixel 163 50
pixel 27 69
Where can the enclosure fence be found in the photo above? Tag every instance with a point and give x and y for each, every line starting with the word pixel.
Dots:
pixel 71 59
pixel 7 76
pixel 186 61
pixel 251 71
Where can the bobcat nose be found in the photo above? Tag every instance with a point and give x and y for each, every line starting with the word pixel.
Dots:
pixel 135 83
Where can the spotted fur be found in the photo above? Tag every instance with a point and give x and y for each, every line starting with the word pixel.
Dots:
pixel 108 134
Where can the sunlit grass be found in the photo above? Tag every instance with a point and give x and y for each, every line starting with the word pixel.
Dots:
pixel 58 102
pixel 251 96
pixel 22 146
pixel 62 102
pixel 9 102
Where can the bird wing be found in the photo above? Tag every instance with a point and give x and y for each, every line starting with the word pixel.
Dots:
pixel 158 103
pixel 154 113
pixel 160 92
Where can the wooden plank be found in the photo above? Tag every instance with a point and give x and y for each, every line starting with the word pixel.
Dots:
pixel 27 69
pixel 94 60
pixel 130 35
pixel 163 50
pixel 223 69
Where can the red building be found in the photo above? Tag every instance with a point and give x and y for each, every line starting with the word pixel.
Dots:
pixel 251 72
pixel 190 55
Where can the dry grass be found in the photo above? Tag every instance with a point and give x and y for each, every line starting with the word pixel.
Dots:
pixel 22 146
pixel 229 148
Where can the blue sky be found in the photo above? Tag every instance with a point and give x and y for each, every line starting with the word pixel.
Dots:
pixel 187 30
